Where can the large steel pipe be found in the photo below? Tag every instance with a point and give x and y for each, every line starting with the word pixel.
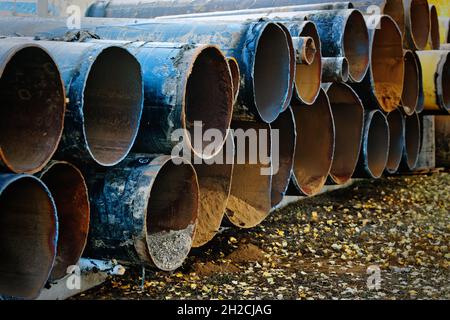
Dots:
pixel 105 103
pixel 143 212
pixel 374 152
pixel 28 235
pixel 396 124
pixel 285 128
pixel 68 188
pixel 314 147
pixel 411 85
pixel 348 115
pixel 436 77
pixel 383 84
pixel 32 100
pixel 250 199
pixel 411 149
pixel 417 24
pixel 335 69
pixel 214 180
pixel 434 40
pixel 421 98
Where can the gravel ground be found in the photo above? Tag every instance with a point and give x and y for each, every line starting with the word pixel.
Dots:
pixel 383 239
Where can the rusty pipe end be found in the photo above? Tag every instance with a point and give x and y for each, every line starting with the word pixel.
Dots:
pixel 412 142
pixel 335 69
pixel 396 140
pixel 396 10
pixel 33 101
pixel 305 50
pixel 411 85
pixel 68 188
pixel 435 36
pixel 417 18
pixel 28 235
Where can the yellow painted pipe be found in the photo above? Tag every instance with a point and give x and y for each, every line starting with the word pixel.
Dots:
pixel 444 27
pixel 435 66
pixel 434 38
pixel 443 7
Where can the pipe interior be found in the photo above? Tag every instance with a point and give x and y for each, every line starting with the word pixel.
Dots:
pixel 410 94
pixel 445 81
pixel 112 105
pixel 396 138
pixel 356 45
pixel 420 22
pixel 396 10
pixel 345 70
pixel 315 144
pixel 412 140
pixel 387 64
pixel 285 124
pixel 377 144
pixel 213 108
pixel 310 50
pixel 27 235
pixel 347 109
pixel 271 72
pixel 308 77
pixel 32 110
pixel 69 191
pixel 171 214
pixel 235 76
pixel 435 36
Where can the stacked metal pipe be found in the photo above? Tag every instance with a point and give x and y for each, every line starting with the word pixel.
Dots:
pixel 145 135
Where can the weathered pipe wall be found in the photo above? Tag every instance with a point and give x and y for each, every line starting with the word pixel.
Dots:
pixel 434 40
pixel 250 199
pixel 214 180
pixel 314 147
pixel 335 69
pixel 374 151
pixel 411 83
pixel 413 138
pixel 105 103
pixel 348 116
pixel 285 124
pixel 143 211
pixel 28 235
pixel 261 49
pixel 417 24
pixel 396 124
pixel 68 188
pixel 383 84
pixel 32 100
pixel 436 77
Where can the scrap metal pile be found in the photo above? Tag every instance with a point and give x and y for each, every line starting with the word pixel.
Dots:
pixel 88 115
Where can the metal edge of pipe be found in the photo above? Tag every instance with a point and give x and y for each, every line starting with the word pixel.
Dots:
pixel 408 55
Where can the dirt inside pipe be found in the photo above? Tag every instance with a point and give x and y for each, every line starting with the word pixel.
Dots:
pixel 285 124
pixel 308 77
pixel 396 140
pixel 377 144
pixel 171 215
pixel 387 65
pixel 69 191
pixel 112 105
pixel 412 140
pixel 213 107
pixel 235 76
pixel 420 22
pixel 271 72
pixel 32 110
pixel 348 114
pixel 315 144
pixel 28 231
pixel 356 46
pixel 396 10
pixel 435 37
pixel 410 94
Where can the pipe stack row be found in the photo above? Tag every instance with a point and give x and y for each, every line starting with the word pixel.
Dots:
pixel 298 96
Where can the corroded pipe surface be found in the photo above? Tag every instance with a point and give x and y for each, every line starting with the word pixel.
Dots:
pixel 417 24
pixel 335 69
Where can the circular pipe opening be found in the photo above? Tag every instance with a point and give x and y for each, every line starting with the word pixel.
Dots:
pixel 28 234
pixel 442 82
pixel 284 127
pixel 410 94
pixel 32 100
pixel 235 76
pixel 435 37
pixel 348 115
pixel 419 15
pixel 345 70
pixel 171 215
pixel 412 141
pixel 396 10
pixel 387 64
pixel 396 139
pixel 309 50
pixel 377 144
pixel 112 109
pixel 69 191
pixel 309 77
pixel 315 145
pixel 211 108
pixel 356 45
pixel 271 72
